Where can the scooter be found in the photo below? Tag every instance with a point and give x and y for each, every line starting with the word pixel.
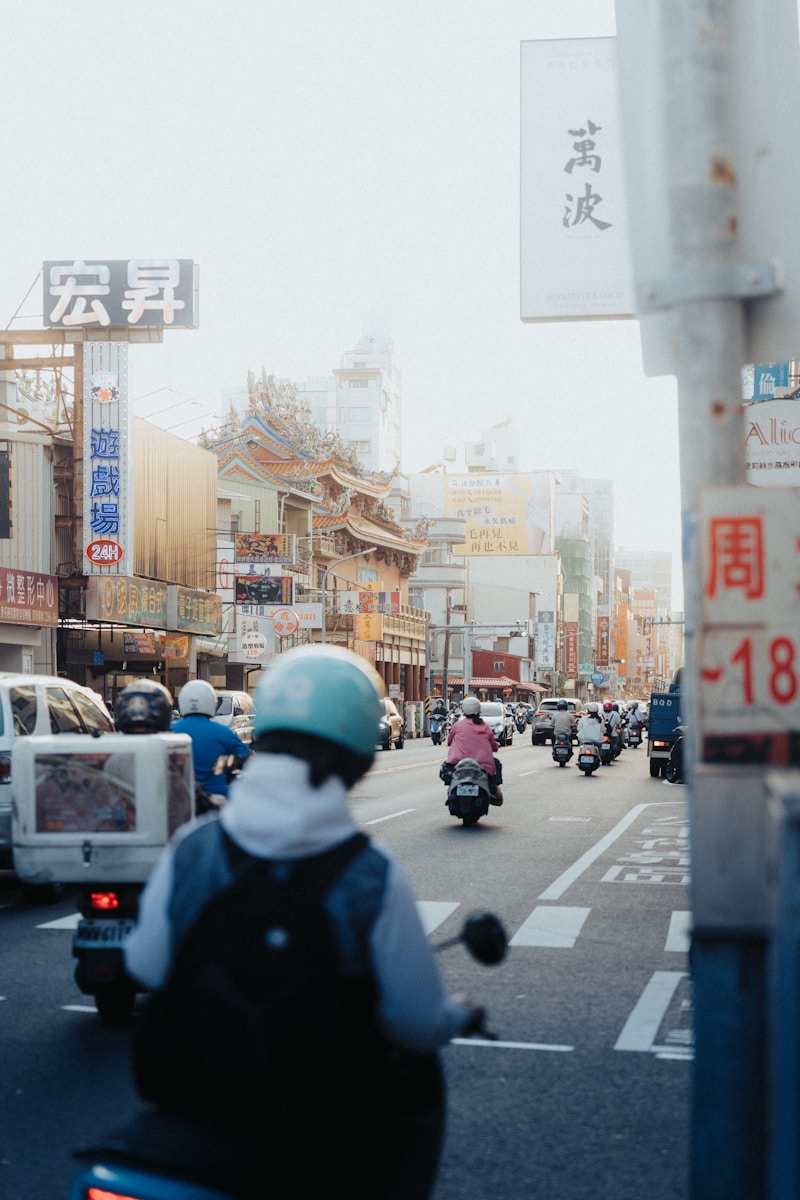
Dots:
pixel 468 791
pixel 438 722
pixel 166 1156
pixel 588 757
pixel 521 720
pixel 634 736
pixel 606 751
pixel 673 771
pixel 562 749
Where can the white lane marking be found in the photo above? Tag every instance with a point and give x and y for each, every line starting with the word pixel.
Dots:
pixel 391 816
pixel 680 924
pixel 564 881
pixel 558 927
pixel 434 913
pixel 70 922
pixel 90 1008
pixel 642 1025
pixel 524 773
pixel 510 1045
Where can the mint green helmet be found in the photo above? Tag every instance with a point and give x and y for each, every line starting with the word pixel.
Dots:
pixel 325 691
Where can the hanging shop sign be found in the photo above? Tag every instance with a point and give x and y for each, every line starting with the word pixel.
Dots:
pixel 264 548
pixel 192 610
pixel 127 600
pixel 28 598
pixel 121 293
pixel 264 589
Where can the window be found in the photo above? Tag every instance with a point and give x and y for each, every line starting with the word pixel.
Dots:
pixel 357 414
pixel 359 383
pixel 23 707
pixel 93 718
pixel 63 717
pixel 499 665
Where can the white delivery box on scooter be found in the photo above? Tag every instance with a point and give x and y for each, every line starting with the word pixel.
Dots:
pixel 91 809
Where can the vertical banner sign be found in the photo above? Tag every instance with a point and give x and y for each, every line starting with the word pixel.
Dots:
pixel 603 647
pixel 571 649
pixel 574 253
pixel 108 460
pixel 546 640
pixel 749 645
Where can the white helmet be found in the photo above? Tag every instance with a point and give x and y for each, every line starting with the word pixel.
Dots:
pixel 470 706
pixel 592 707
pixel 197 698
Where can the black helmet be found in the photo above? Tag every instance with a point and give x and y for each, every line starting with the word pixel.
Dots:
pixel 562 704
pixel 145 705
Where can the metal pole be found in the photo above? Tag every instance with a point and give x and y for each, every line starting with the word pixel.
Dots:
pixel 337 563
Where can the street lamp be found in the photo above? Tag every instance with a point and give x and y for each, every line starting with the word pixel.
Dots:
pixel 337 563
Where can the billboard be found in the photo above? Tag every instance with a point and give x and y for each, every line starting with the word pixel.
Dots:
pixel 264 589
pixel 263 547
pixel 504 513
pixel 120 293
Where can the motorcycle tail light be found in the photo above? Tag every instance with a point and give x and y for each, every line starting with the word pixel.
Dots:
pixel 94 1193
pixel 104 901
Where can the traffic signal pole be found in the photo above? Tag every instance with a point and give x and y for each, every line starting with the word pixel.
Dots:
pixel 704 301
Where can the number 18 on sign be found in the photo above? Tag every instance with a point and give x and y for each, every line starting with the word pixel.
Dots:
pixel 749 646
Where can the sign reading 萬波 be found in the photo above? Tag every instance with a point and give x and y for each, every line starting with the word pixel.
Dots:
pixel 121 293
pixel 108 460
pixel 749 646
pixel 574 257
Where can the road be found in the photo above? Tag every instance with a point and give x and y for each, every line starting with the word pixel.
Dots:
pixel 585 1092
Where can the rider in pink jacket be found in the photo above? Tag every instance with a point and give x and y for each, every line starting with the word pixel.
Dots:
pixel 471 737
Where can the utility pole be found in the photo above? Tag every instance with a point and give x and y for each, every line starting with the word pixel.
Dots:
pixel 710 195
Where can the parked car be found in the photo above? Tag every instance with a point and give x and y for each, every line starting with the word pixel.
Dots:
pixel 237 711
pixel 40 704
pixel 542 722
pixel 497 716
pixel 392 727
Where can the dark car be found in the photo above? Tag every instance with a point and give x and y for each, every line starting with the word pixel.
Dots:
pixel 542 721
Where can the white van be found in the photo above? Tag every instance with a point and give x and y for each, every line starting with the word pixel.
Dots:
pixel 40 705
pixel 238 712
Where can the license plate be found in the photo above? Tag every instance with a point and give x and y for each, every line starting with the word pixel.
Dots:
pixel 467 789
pixel 91 935
pixel 587 758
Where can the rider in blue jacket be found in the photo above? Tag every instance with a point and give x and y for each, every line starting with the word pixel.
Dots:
pixel 197 704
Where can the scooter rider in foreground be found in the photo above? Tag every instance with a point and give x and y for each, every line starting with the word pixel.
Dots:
pixel 197 703
pixel 471 737
pixel 326 1135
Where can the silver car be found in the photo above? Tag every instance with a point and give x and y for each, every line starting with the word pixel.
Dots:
pixel 499 720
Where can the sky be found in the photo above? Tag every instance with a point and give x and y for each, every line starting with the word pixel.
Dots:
pixel 321 159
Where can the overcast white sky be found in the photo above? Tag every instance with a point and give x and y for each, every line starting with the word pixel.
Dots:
pixel 321 158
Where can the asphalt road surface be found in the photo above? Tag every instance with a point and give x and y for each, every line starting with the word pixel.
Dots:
pixel 585 1092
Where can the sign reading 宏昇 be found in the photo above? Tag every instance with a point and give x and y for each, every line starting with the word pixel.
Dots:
pixel 749 648
pixel 121 293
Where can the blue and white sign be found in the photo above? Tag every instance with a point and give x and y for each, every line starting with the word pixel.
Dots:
pixel 768 378
pixel 598 678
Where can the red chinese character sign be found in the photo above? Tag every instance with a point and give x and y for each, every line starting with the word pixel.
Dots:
pixel 749 647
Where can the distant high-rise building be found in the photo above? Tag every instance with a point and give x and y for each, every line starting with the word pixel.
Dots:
pixel 651 570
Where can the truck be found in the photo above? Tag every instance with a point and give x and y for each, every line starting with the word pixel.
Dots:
pixel 662 728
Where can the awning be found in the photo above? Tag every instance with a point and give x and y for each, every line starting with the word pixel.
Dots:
pixel 482 682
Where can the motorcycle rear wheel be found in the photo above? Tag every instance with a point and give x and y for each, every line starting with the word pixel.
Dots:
pixel 115 1002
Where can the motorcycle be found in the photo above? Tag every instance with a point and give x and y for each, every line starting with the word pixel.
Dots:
pixel 588 757
pixel 606 751
pixel 673 771
pixel 521 720
pixel 634 736
pixel 438 724
pixel 168 1156
pixel 469 793
pixel 562 749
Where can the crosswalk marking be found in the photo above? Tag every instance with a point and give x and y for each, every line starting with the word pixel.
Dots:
pixel 680 924
pixel 640 1029
pixel 553 926
pixel 434 913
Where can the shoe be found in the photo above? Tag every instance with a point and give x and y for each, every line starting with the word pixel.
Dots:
pixel 497 798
